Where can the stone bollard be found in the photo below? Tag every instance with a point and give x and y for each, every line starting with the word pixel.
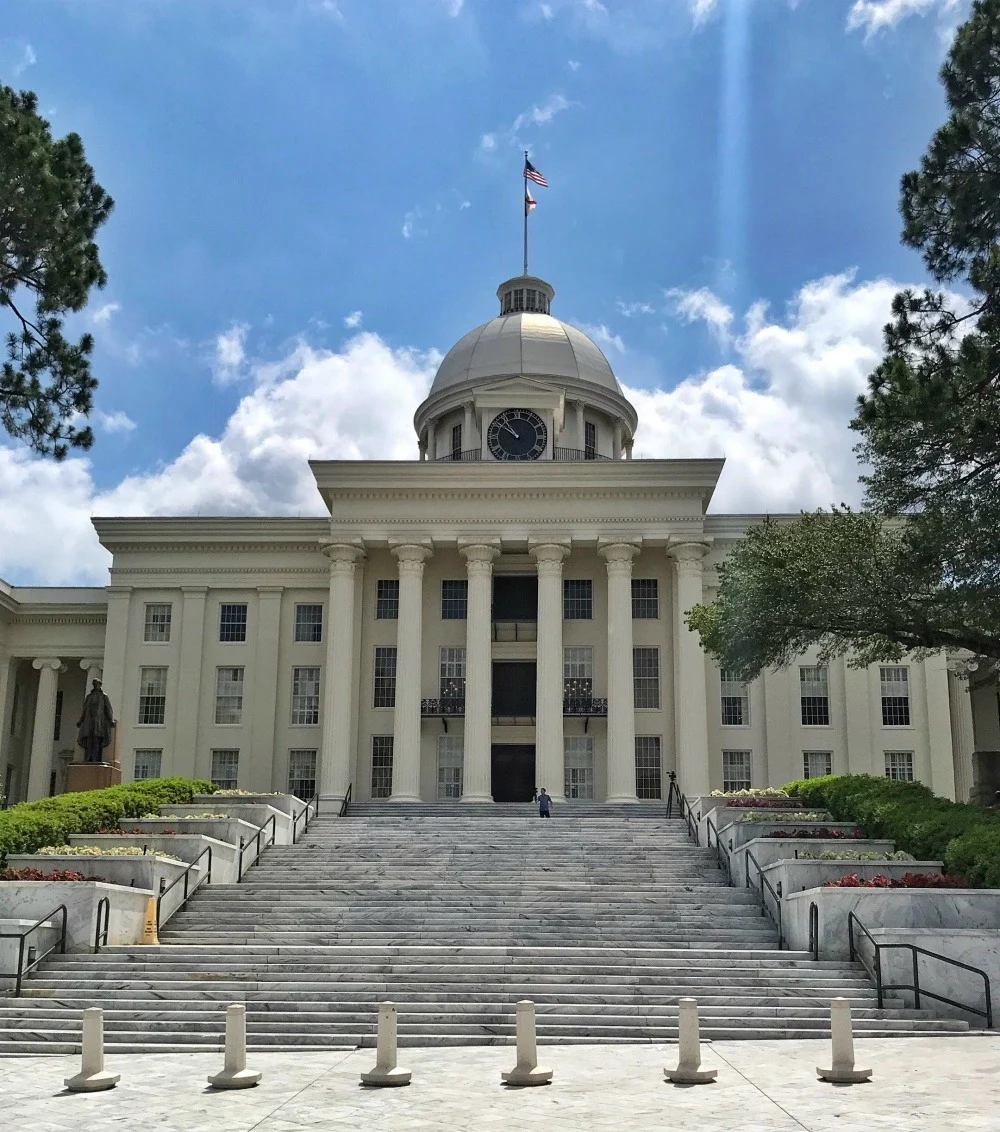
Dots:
pixel 92 1076
pixel 386 1073
pixel 526 1071
pixel 842 1072
pixel 689 1071
pixel 235 1074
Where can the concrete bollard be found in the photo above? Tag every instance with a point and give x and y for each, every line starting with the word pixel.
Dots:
pixel 842 1072
pixel 92 1076
pixel 235 1074
pixel 386 1073
pixel 526 1071
pixel 689 1071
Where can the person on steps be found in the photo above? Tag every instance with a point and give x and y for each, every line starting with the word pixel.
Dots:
pixel 544 804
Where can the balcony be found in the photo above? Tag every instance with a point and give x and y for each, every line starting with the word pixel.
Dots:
pixel 443 708
pixel 577 454
pixel 463 456
pixel 584 705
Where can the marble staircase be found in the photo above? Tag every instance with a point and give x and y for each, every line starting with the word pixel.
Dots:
pixel 604 917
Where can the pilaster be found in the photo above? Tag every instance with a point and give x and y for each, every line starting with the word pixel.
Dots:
pixel 266 681
pixel 963 735
pixel 183 760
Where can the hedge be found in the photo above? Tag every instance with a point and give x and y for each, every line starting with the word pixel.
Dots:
pixel 30 825
pixel 965 837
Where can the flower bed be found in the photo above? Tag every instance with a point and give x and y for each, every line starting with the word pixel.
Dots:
pixel 185 817
pixel 246 793
pixel 823 832
pixel 763 802
pixel 907 880
pixel 755 792
pixel 38 874
pixel 853 855
pixel 801 815
pixel 98 851
pixel 133 832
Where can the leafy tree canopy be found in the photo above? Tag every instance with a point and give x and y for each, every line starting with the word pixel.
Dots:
pixel 920 567
pixel 50 209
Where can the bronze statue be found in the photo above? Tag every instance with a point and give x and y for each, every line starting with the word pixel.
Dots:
pixel 95 724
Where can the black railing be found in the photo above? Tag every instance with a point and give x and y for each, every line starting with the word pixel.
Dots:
pixel 305 815
pixel 510 631
pixel 881 987
pixel 722 855
pixel 673 792
pixel 22 968
pixel 443 706
pixel 255 840
pixel 184 877
pixel 692 822
pixel 101 935
pixel 346 802
pixel 466 455
pixel 584 705
pixel 764 888
pixel 577 454
pixel 814 931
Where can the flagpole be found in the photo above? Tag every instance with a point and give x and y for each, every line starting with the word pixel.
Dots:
pixel 525 208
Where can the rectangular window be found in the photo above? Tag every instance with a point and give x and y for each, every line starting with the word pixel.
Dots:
pixel 899 765
pixel 578 678
pixel 452 683
pixel 519 299
pixel 232 621
pixel 814 692
pixel 737 770
pixel 381 766
pixel 578 599
pixel 387 599
pixel 456 442
pixel 735 700
pixel 157 623
pixel 646 677
pixel 454 599
pixel 645 599
pixel 302 774
pixel 589 440
pixel 57 727
pixel 305 697
pixel 228 695
pixel 895 696
pixel 578 759
pixel 450 761
pixel 147 764
pixel 385 678
pixel 225 768
pixel 152 695
pixel 309 624
pixel 816 764
pixel 648 773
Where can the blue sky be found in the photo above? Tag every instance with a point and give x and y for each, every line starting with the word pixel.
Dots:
pixel 314 198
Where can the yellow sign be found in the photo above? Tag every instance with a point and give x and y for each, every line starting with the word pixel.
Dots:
pixel 149 925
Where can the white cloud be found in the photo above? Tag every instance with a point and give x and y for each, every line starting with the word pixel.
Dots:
pixel 487 143
pixel 630 310
pixel 875 15
pixel 114 422
pixel 103 314
pixel 230 353
pixel 705 306
pixel 546 11
pixel 701 10
pixel 409 228
pixel 574 64
pixel 353 320
pixel 454 7
pixel 543 114
pixel 603 336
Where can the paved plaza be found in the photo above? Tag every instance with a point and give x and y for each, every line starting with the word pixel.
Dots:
pixel 932 1083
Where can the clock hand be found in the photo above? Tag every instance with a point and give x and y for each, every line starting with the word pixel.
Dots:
pixel 512 431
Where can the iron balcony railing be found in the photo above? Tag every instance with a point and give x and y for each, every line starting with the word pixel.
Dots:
pixel 467 455
pixel 577 454
pixel 443 706
pixel 584 705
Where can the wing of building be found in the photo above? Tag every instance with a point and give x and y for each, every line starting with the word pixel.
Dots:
pixel 502 614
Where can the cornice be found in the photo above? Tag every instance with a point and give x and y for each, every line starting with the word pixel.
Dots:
pixel 52 618
pixel 271 571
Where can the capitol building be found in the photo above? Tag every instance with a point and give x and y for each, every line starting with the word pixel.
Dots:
pixel 501 613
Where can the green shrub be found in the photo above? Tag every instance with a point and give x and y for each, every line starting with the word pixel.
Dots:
pixel 30 825
pixel 965 837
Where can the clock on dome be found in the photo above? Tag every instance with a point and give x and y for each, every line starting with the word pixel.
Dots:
pixel 516 434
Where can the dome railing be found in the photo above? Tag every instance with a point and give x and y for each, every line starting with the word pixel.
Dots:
pixel 472 454
pixel 465 455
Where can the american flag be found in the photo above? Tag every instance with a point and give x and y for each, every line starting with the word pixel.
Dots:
pixel 532 174
pixel 529 202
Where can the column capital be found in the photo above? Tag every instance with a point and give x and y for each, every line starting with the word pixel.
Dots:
pixel 194 589
pixel 89 663
pixel 478 557
pixel 549 557
pixel 343 557
pixel 47 662
pixel 411 557
pixel 618 556
pixel 270 590
pixel 688 555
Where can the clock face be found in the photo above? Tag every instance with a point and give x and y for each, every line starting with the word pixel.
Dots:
pixel 516 434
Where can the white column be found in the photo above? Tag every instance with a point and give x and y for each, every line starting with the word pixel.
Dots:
pixel 431 440
pixel 617 441
pixel 94 669
pixel 963 736
pixel 263 764
pixel 939 733
pixel 549 760
pixel 691 704
pixel 336 759
pixel 621 688
pixel 469 427
pixel 580 439
pixel 409 642
pixel 476 773
pixel 115 653
pixel 7 675
pixel 40 764
pixel 184 760
pixel 628 448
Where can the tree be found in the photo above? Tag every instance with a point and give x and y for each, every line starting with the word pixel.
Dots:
pixel 50 209
pixel 920 566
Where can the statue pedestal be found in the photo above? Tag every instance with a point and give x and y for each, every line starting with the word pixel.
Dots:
pixel 92 776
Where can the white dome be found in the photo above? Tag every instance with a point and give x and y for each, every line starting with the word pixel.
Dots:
pixel 525 344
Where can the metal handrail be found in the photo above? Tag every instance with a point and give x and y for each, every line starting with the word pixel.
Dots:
pixel 585 705
pixel 442 706
pixel 765 884
pixel 313 804
pixel 22 970
pixel 578 454
pixel 722 854
pixel 814 931
pixel 674 791
pixel 915 952
pixel 184 877
pixel 346 802
pixel 255 840
pixel 692 822
pixel 104 904
pixel 465 455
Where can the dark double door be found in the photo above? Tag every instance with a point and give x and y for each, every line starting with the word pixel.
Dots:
pixel 513 772
pixel 513 764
